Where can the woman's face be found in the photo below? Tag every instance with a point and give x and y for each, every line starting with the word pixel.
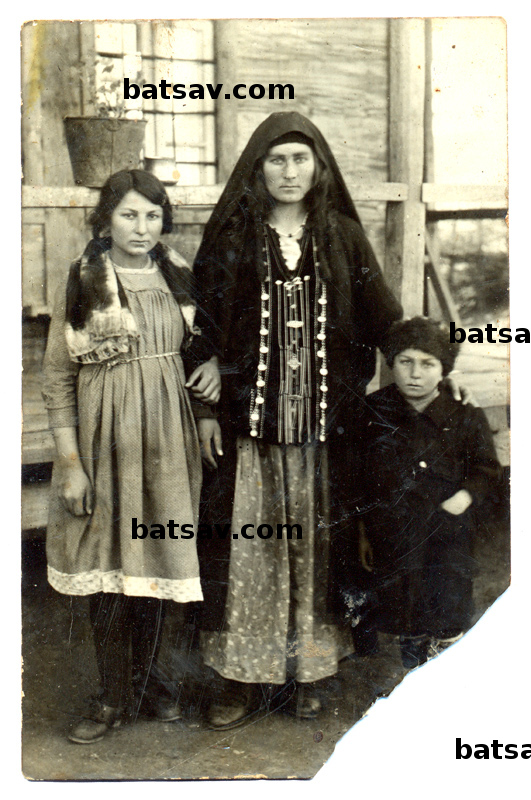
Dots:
pixel 136 226
pixel 289 170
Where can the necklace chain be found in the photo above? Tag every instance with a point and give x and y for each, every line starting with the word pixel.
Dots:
pixel 292 233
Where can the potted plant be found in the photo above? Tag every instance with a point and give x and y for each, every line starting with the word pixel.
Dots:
pixel 111 139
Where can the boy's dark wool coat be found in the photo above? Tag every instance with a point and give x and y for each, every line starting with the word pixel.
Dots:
pixel 423 556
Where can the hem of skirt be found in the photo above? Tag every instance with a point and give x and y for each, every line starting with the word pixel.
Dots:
pixel 308 669
pixel 186 590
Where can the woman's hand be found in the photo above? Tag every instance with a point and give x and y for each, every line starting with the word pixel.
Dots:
pixel 458 503
pixel 75 490
pixel 365 550
pixel 461 394
pixel 205 382
pixel 210 440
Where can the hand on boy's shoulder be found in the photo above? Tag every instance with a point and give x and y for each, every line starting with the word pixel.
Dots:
pixel 461 393
pixel 458 503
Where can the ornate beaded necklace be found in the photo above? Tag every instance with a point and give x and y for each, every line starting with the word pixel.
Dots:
pixel 295 345
pixel 290 245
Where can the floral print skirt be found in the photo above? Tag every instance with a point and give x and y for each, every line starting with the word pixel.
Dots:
pixel 276 618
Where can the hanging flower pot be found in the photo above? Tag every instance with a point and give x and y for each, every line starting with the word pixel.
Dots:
pixel 98 147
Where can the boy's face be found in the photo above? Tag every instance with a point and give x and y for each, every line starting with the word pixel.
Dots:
pixel 417 374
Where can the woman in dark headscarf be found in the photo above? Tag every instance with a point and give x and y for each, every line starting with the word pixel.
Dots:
pixel 293 304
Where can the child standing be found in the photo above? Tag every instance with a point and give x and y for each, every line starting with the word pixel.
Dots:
pixel 430 462
pixel 126 440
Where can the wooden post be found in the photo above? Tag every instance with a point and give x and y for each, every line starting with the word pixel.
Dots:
pixel 32 46
pixel 88 68
pixel 405 240
pixel 429 141
pixel 438 301
pixel 226 115
pixel 33 273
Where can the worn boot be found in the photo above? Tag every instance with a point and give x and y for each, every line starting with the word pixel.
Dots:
pixel 414 650
pixel 437 645
pixel 305 703
pixel 156 702
pixel 233 705
pixel 99 720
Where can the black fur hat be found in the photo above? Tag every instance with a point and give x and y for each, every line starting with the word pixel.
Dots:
pixel 421 333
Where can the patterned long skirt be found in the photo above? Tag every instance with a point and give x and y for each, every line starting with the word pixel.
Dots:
pixel 276 618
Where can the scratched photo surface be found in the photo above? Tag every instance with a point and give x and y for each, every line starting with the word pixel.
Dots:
pixel 252 502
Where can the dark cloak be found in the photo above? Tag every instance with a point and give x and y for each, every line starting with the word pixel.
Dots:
pixel 361 308
pixel 238 184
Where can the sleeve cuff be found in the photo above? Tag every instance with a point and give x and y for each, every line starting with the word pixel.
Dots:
pixel 202 411
pixel 62 417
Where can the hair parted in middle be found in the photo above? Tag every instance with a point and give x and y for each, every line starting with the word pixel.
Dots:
pixel 114 190
pixel 421 333
pixel 259 201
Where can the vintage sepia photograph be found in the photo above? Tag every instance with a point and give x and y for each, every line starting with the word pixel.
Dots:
pixel 265 390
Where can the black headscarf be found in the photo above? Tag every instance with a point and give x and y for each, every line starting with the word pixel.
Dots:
pixel 359 301
pixel 275 126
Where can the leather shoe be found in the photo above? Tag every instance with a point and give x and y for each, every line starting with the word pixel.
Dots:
pixel 163 708
pixel 414 651
pixel 305 703
pixel 234 706
pixel 100 720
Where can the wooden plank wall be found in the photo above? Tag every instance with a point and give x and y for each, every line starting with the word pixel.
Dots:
pixel 404 255
pixel 339 69
pixel 51 90
pixel 343 72
pixel 313 55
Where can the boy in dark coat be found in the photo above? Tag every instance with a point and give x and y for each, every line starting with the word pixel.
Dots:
pixel 430 462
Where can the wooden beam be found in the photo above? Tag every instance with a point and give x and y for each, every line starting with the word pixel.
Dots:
pixel 33 268
pixel 437 282
pixel 32 38
pixel 466 213
pixel 35 506
pixel 481 196
pixel 226 117
pixel 87 65
pixel 379 192
pixel 489 197
pixel 429 139
pixel 65 238
pixel 405 244
pixel 38 447
pixel 81 197
pixel 436 290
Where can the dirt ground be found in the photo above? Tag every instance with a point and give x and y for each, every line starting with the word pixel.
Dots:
pixel 60 673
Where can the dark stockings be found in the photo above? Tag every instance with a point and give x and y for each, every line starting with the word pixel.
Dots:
pixel 126 634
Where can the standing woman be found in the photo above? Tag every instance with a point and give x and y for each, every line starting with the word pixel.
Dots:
pixel 127 447
pixel 293 304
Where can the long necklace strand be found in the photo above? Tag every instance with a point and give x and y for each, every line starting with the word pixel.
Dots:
pixel 293 312
pixel 258 395
pixel 320 328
